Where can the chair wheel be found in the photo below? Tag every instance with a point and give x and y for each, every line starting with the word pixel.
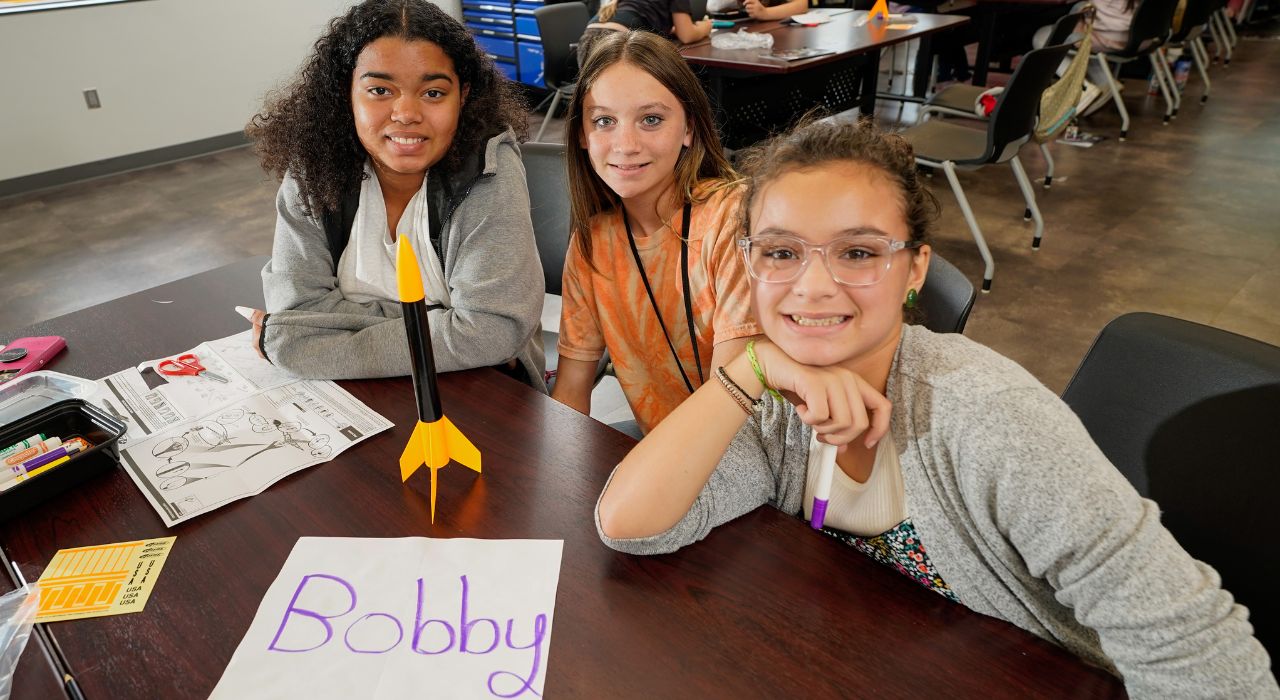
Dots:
pixel 1204 99
pixel 1026 215
pixel 1166 120
pixel 1048 181
pixel 1175 114
pixel 986 286
pixel 1035 244
pixel 1124 134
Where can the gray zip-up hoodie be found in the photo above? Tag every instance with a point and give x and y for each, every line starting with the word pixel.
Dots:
pixel 480 217
pixel 1023 517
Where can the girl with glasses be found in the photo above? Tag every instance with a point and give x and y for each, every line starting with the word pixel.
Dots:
pixel 652 272
pixel 930 453
pixel 398 125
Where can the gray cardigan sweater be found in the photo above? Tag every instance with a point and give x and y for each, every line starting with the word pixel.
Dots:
pixel 1022 516
pixel 490 263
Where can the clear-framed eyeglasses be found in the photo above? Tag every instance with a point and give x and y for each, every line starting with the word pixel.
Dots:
pixel 854 261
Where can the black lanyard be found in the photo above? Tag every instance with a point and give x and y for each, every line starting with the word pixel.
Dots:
pixel 688 301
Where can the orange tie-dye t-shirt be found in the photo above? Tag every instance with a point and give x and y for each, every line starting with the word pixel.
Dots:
pixel 607 307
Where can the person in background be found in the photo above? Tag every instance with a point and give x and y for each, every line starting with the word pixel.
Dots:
pixel 651 272
pixel 672 19
pixel 398 125
pixel 928 452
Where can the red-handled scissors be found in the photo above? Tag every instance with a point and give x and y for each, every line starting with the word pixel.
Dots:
pixel 188 365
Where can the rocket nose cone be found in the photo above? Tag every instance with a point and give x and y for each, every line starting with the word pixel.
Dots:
pixel 408 277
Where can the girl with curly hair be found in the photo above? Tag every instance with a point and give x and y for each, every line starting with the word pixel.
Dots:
pixel 398 125
pixel 927 452
pixel 651 273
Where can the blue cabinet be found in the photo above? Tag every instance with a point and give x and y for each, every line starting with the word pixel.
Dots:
pixel 507 31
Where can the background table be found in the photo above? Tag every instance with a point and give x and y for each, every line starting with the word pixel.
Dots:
pixel 764 607
pixel 757 95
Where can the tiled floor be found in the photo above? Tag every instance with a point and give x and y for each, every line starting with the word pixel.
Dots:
pixel 1181 219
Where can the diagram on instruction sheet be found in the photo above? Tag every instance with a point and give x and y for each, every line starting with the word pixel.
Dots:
pixel 238 450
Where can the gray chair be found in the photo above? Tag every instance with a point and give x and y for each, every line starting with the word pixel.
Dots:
pixel 1148 32
pixel 544 168
pixel 1196 16
pixel 946 146
pixel 946 298
pixel 560 27
pixel 1191 416
pixel 957 100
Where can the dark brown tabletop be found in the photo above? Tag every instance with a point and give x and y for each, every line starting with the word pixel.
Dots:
pixel 841 35
pixel 764 607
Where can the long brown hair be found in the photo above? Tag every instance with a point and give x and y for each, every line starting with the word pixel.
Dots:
pixel 702 160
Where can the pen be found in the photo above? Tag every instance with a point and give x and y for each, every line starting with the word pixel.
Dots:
pixel 822 492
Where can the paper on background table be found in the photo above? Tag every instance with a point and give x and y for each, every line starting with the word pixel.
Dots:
pixel 109 579
pixel 400 618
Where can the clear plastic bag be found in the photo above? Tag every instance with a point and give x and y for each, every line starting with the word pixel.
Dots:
pixel 742 39
pixel 17 615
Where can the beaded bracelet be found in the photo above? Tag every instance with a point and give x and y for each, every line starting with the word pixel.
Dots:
pixel 755 366
pixel 739 395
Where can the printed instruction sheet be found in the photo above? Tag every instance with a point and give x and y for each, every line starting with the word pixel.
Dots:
pixel 194 444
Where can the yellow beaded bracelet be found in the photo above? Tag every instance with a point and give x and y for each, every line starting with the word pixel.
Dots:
pixel 755 366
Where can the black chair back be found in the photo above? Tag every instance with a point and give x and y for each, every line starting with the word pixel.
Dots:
pixel 946 298
pixel 560 27
pixel 1194 16
pixel 1152 22
pixel 1191 416
pixel 1064 28
pixel 544 171
pixel 1015 113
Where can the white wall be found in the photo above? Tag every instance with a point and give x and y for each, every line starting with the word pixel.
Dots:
pixel 167 72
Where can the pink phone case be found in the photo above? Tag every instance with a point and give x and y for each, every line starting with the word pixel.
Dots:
pixel 39 351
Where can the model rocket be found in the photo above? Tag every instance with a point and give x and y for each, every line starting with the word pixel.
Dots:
pixel 435 441
pixel 879 12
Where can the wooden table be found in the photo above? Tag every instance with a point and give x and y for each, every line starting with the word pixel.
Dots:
pixel 757 94
pixel 763 608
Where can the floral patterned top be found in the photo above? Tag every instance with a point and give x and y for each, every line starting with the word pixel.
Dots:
pixel 900 548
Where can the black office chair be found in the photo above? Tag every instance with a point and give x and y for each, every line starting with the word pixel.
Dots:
pixel 1150 29
pixel 544 169
pixel 941 144
pixel 946 298
pixel 1191 416
pixel 560 27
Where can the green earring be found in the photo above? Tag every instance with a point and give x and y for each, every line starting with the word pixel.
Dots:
pixel 912 298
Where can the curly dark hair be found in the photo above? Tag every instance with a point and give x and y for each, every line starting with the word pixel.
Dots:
pixel 307 128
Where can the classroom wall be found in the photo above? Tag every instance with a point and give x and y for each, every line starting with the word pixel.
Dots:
pixel 167 72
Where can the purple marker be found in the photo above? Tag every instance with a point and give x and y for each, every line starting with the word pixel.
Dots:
pixel 822 491
pixel 51 455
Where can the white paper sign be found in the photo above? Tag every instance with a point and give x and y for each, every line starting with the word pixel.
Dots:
pixel 400 618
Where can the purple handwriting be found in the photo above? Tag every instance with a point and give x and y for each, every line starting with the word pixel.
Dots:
pixel 462 637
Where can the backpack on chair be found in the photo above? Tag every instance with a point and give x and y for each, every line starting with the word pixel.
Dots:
pixel 1059 102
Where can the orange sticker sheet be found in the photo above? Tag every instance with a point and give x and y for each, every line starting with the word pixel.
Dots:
pixel 109 579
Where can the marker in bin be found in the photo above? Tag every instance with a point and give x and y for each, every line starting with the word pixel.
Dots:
pixel 35 450
pixel 18 446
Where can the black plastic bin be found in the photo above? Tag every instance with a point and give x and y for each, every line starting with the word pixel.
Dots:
pixel 66 419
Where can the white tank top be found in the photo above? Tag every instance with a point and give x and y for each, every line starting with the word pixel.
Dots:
pixel 866 509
